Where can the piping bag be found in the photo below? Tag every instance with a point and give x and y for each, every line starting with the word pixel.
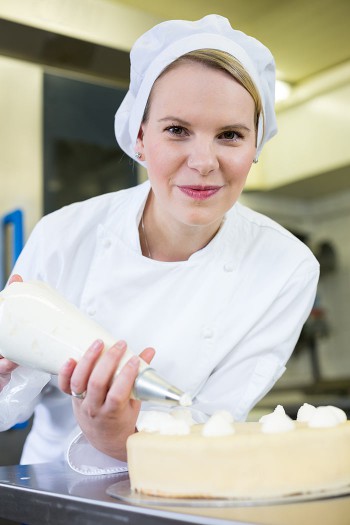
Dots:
pixel 42 330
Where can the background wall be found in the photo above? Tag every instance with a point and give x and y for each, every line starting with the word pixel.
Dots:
pixel 21 138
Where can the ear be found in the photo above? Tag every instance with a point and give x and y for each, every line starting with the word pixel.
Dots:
pixel 255 159
pixel 139 146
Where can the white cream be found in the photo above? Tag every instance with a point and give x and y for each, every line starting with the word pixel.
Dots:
pixel 321 417
pixel 219 424
pixel 185 400
pixel 327 416
pixel 276 422
pixel 162 422
pixel 150 420
pixel 341 415
pixel 305 413
pixel 184 414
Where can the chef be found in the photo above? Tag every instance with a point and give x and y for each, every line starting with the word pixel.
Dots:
pixel 176 268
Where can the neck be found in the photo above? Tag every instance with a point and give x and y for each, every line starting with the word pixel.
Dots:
pixel 169 240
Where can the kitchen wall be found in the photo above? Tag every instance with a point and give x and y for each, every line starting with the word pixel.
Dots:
pixel 20 138
pixel 105 22
pixel 313 130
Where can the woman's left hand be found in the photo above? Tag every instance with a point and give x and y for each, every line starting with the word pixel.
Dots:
pixel 106 414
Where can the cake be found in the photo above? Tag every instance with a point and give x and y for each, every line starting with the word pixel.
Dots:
pixel 272 458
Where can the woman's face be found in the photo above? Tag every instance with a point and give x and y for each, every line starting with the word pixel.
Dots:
pixel 198 142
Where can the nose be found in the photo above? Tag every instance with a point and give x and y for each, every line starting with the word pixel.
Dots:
pixel 202 157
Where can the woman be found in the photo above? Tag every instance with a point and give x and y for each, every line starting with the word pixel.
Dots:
pixel 175 264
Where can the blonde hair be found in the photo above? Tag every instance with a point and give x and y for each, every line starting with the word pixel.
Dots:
pixel 221 61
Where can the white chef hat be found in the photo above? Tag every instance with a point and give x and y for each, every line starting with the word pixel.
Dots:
pixel 167 41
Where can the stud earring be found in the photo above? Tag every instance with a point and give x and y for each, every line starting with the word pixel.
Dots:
pixel 138 155
pixel 255 161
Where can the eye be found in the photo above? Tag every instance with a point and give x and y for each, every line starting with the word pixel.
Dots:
pixel 230 135
pixel 179 131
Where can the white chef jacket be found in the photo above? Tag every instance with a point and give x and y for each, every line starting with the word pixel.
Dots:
pixel 223 323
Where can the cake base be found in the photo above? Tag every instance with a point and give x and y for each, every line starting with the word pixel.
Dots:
pixel 122 491
pixel 245 465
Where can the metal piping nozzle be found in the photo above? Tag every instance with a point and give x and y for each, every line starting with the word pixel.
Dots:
pixel 149 386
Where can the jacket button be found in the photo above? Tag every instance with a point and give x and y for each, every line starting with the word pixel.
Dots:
pixel 107 243
pixel 91 312
pixel 229 267
pixel 208 333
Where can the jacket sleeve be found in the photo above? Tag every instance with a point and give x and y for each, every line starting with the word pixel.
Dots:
pixel 85 459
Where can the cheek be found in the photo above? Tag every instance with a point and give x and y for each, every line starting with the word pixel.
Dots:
pixel 155 165
pixel 246 165
pixel 238 166
pixel 162 161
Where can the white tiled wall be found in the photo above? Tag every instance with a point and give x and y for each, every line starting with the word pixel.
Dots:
pixel 326 219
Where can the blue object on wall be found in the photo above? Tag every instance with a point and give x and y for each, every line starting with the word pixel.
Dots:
pixel 2 257
pixel 14 219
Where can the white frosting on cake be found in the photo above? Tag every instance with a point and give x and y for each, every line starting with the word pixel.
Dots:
pixel 277 421
pixel 219 424
pixel 185 414
pixel 162 422
pixel 341 415
pixel 305 413
pixel 180 420
pixel 321 417
pixel 327 416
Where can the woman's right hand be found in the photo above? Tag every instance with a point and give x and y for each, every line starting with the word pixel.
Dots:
pixel 105 413
pixel 7 366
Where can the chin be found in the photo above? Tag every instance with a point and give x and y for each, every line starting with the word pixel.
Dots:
pixel 201 219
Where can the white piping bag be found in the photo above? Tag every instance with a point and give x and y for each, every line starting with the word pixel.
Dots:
pixel 41 330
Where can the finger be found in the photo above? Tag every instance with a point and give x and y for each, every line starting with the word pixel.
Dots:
pixel 65 376
pixel 103 374
pixel 15 279
pixel 82 371
pixel 6 366
pixel 121 388
pixel 147 354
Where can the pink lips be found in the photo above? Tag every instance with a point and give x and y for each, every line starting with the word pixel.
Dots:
pixel 199 192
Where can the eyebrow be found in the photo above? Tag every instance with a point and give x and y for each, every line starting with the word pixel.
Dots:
pixel 179 120
pixel 235 126
pixel 185 123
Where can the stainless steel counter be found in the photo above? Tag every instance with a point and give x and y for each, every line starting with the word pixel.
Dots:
pixel 53 494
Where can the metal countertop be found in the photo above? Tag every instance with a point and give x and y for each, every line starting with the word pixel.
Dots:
pixel 52 493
